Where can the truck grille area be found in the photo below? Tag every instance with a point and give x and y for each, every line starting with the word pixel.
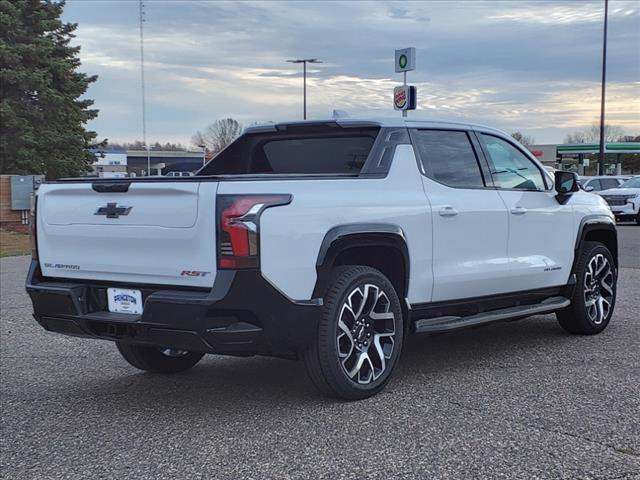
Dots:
pixel 616 201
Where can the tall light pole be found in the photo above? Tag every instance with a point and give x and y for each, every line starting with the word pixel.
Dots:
pixel 204 153
pixel 304 62
pixel 144 106
pixel 604 73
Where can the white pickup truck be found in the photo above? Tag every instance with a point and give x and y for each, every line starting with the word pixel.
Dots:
pixel 328 241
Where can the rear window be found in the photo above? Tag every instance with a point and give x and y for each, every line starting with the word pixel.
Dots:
pixel 326 150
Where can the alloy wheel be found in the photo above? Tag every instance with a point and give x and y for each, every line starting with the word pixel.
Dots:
pixel 365 334
pixel 599 285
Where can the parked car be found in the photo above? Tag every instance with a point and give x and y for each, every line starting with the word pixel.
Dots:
pixel 624 201
pixel 596 184
pixel 326 241
pixel 179 174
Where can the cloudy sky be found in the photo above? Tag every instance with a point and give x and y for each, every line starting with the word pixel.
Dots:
pixel 533 66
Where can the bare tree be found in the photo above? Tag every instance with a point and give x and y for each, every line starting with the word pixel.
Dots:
pixel 612 133
pixel 218 135
pixel 139 145
pixel 525 140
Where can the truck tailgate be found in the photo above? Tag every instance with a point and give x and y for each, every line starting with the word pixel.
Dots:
pixel 153 233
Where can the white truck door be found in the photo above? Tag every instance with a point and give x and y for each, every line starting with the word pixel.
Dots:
pixel 541 231
pixel 470 221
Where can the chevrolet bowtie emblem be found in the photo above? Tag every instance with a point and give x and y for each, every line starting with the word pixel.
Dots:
pixel 112 210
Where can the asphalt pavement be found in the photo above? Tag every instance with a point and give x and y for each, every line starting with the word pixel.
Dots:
pixel 513 400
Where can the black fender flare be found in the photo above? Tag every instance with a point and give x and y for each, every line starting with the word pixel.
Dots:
pixel 347 236
pixel 589 224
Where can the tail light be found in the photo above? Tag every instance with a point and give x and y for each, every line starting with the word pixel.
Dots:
pixel 239 228
pixel 33 228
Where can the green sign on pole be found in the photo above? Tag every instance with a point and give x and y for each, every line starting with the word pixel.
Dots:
pixel 406 59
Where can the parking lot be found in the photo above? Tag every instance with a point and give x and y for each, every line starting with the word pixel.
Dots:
pixel 513 400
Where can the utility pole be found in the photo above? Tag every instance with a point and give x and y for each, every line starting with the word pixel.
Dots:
pixel 604 73
pixel 304 62
pixel 144 107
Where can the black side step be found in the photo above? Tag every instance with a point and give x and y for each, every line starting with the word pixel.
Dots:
pixel 446 324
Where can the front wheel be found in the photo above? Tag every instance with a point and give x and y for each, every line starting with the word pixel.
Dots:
pixel 359 338
pixel 594 295
pixel 158 359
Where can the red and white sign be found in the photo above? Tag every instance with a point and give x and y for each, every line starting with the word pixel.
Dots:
pixel 400 97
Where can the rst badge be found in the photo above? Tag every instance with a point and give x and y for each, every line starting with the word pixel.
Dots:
pixel 193 273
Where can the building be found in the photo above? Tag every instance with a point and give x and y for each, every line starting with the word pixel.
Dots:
pixel 547 154
pixel 110 163
pixel 620 157
pixel 16 193
pixel 163 162
pixel 122 163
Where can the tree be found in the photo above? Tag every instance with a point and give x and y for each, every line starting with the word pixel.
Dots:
pixel 42 110
pixel 139 145
pixel 525 140
pixel 218 135
pixel 612 133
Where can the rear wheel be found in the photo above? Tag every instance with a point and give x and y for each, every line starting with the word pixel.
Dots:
pixel 594 295
pixel 158 359
pixel 359 337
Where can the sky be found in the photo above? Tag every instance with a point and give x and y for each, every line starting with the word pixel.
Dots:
pixel 532 66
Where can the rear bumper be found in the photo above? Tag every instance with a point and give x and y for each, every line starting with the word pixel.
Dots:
pixel 241 315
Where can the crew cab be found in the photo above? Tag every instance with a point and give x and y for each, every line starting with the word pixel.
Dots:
pixel 326 241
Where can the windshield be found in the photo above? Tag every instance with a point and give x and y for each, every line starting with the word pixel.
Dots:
pixel 631 183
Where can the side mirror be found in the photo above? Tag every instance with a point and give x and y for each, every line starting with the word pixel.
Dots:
pixel 589 188
pixel 566 184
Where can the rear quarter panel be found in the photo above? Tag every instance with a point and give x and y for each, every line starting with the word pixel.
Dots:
pixel 290 236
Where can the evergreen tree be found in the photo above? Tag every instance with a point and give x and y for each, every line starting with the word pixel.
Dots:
pixel 42 112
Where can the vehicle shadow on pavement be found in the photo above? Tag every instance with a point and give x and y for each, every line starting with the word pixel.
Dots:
pixel 228 382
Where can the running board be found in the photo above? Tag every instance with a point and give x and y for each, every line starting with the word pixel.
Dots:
pixel 446 324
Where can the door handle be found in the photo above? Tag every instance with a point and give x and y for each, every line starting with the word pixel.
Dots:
pixel 518 210
pixel 448 211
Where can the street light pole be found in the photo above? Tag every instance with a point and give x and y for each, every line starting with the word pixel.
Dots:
pixel 204 153
pixel 304 62
pixel 604 72
pixel 144 108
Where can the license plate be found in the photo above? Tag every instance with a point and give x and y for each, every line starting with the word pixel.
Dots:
pixel 122 300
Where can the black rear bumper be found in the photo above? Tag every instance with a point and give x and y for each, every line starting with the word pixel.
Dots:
pixel 242 314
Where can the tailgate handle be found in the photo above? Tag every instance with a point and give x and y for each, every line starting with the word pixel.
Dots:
pixel 118 187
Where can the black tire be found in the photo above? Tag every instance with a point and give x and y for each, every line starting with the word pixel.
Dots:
pixel 152 359
pixel 638 219
pixel 376 336
pixel 578 318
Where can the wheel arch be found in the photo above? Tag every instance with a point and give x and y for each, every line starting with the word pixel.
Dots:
pixel 378 245
pixel 597 229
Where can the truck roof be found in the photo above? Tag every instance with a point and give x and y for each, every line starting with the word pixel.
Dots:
pixel 347 122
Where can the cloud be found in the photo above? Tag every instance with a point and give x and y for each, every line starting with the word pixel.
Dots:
pixel 572 13
pixel 514 65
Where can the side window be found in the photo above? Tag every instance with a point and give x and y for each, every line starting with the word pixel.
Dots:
pixel 595 184
pixel 510 167
pixel 608 183
pixel 448 157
